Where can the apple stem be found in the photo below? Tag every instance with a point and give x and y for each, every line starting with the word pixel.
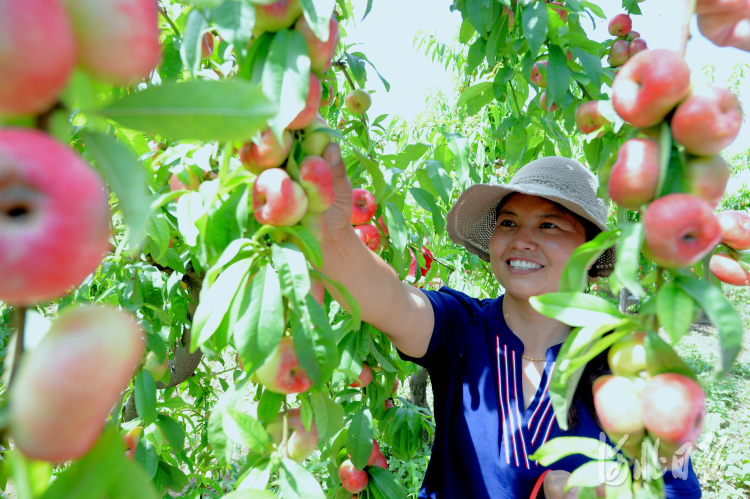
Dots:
pixel 342 67
pixel 19 319
pixel 163 12
pixel 284 428
pixel 689 11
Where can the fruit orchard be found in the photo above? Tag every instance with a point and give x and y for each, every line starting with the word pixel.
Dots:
pixel 162 191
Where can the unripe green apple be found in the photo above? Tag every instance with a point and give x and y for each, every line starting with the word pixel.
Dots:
pixel 707 121
pixel 315 141
pixel 627 357
pixel 635 174
pixel 674 410
pixel 618 407
pixel 358 101
pixel 649 86
pixel 680 229
pixel 37 55
pixel 300 442
pixel 268 153
pixel 54 217
pixel 65 388
pixel 735 229
pixel 618 53
pixel 707 177
pixel 353 480
pixel 277 199
pixel 321 52
pixel 282 372
pixel 276 16
pixel 729 270
pixel 620 25
pixel 153 366
pixel 118 39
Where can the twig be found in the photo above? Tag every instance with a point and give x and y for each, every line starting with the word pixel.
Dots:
pixel 19 320
pixel 342 66
pixel 689 11
pixel 163 12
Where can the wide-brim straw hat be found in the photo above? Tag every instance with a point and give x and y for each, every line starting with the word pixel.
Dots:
pixel 471 220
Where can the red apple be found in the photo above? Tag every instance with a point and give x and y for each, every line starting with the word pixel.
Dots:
pixel 680 229
pixel 131 439
pixel 152 365
pixel 282 372
pixel 269 153
pixel 589 118
pixel 207 46
pixel 635 174
pixel 352 479
pixel 537 77
pixel 54 217
pixel 276 16
pixel 364 378
pixel 383 226
pixel 632 36
pixel 396 383
pixel 707 121
pixel 380 461
pixel 707 178
pixel 118 39
pixel 649 85
pixel 317 290
pixel 37 55
pixel 370 236
pixel 321 52
pixel 543 102
pixel 358 101
pixel 176 184
pixel 637 45
pixel 735 229
pixel 561 12
pixel 307 115
pixel 427 254
pixel 317 180
pixel 674 410
pixel 329 98
pixel 569 55
pixel 363 206
pixel 315 140
pixel 300 442
pixel 277 199
pixel 627 357
pixel 66 387
pixel 620 25
pixel 374 453
pixel 388 404
pixel 728 270
pixel 618 407
pixel 618 53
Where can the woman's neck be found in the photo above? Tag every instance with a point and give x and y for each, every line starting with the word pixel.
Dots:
pixel 536 331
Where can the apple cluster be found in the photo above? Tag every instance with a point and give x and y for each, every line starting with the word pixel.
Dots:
pixel 354 480
pixel 628 42
pixel 668 407
pixel 363 209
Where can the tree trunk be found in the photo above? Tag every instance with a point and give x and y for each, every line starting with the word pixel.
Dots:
pixel 418 387
pixel 624 300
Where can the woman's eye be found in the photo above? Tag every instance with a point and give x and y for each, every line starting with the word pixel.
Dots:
pixel 505 223
pixel 548 225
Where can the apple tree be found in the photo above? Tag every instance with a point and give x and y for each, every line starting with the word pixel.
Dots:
pixel 176 334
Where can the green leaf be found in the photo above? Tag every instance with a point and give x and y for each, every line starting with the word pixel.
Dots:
pixel 586 475
pixel 427 202
pixel 386 483
pixel 575 273
pixel 314 342
pixel 440 179
pixel 476 55
pixel 318 15
pixel 459 146
pixel 173 431
pixel 502 77
pixel 145 397
pixel 286 77
pixel 384 363
pixel 661 358
pixel 259 328
pixel 133 140
pixel 192 38
pixel 561 447
pixel 234 21
pixel 674 308
pixel 577 309
pixel 200 110
pixel 250 494
pixel 592 66
pixel 245 429
pixel 222 444
pixel 131 483
pixel 396 226
pixel 466 31
pixel 535 22
pixel 722 314
pixel 378 181
pixel 125 176
pixel 359 438
pixel 474 98
pixel 305 240
pixel 215 301
pixel 354 308
pixel 329 416
pixel 295 482
pixel 269 405
pixel 558 75
pixel 628 257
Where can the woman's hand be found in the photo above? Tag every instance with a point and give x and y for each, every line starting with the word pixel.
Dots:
pixel 338 215
pixel 725 22
pixel 555 482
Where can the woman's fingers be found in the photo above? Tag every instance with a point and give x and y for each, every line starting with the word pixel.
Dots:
pixel 339 214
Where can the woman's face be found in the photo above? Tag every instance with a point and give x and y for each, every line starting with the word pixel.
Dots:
pixel 532 242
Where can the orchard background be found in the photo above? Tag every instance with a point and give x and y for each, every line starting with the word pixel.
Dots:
pixel 209 284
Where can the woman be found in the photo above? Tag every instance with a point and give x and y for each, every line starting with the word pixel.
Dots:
pixel 490 361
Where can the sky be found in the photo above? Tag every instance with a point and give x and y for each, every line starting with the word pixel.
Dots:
pixel 386 36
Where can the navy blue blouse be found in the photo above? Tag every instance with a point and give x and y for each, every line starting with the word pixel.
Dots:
pixel 484 435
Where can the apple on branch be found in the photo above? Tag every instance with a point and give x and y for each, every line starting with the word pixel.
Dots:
pixel 37 55
pixel 637 45
pixel 735 229
pixel 317 180
pixel 282 373
pixel 315 140
pixel 277 199
pixel 543 103
pixel 364 378
pixel 627 357
pixel 680 229
pixel 358 101
pixel 268 153
pixel 618 406
pixel 276 16
pixel 353 480
pixel 207 46
pixel 370 236
pixel 300 442
pixel 619 53
pixel 589 118
pixel 707 177
pixel 707 121
pixel 635 174
pixel 363 206
pixel 312 104
pixel 620 25
pixel 321 51
pixel 538 77
pixel 729 270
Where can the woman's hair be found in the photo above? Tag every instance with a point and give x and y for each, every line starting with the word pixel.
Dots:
pixel 596 367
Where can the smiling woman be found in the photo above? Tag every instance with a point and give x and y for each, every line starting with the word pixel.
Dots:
pixel 490 361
